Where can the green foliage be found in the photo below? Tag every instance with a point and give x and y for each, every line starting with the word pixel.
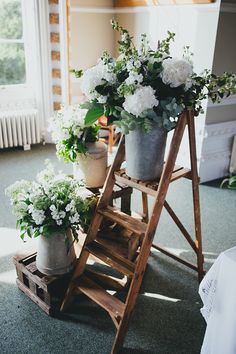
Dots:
pixel 69 148
pixel 77 73
pixel 208 85
pixel 229 182
pixel 164 45
pixel 125 44
pixel 93 114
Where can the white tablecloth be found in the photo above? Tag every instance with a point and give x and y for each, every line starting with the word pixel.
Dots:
pixel 218 293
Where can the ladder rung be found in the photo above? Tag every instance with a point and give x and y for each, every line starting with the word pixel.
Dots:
pixel 95 292
pixel 114 260
pixel 183 172
pixel 105 280
pixel 150 187
pixel 123 219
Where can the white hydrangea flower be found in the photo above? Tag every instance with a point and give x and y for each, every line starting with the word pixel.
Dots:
pixel 177 72
pixel 130 65
pixel 133 65
pixel 95 76
pixel 67 117
pixel 134 78
pixel 142 99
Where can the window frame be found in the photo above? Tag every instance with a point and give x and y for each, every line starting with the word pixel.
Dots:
pixel 26 90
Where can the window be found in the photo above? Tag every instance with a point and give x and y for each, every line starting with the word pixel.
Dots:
pixel 19 53
pixel 12 48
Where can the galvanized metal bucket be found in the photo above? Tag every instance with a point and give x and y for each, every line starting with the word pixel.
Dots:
pixel 144 153
pixel 54 255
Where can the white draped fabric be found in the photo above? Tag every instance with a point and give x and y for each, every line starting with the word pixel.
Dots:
pixel 218 293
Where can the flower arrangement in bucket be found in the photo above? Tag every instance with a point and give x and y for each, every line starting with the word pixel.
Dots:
pixel 78 143
pixel 143 92
pixel 53 208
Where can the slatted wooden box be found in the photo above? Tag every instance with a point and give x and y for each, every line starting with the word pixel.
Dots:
pixel 46 291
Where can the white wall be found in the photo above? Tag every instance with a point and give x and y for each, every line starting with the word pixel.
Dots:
pixel 91 34
pixel 224 60
pixel 220 127
pixel 135 22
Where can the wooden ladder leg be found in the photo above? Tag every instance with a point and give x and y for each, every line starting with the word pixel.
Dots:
pixel 148 238
pixel 79 269
pixel 131 300
pixel 145 207
pixel 195 191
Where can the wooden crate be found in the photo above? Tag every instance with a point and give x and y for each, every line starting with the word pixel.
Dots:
pixel 46 291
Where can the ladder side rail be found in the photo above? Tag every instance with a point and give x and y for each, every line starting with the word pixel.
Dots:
pixel 176 258
pixel 195 191
pixel 181 227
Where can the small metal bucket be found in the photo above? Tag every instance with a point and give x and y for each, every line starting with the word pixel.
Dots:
pixel 54 255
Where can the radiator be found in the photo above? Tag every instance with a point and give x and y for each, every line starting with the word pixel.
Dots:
pixel 19 128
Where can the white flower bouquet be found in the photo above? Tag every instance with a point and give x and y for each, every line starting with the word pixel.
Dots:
pixel 70 133
pixel 143 85
pixel 55 202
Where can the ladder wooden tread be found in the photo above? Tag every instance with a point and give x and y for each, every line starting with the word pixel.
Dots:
pixel 121 241
pixel 96 293
pixel 150 187
pixel 123 219
pixel 111 258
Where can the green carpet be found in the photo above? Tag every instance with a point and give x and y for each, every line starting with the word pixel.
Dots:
pixel 166 319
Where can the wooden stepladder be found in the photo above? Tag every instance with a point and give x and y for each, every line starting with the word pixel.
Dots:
pixel 139 232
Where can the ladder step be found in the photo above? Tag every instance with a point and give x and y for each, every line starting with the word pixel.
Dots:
pixel 130 223
pixel 95 292
pixel 149 187
pixel 111 258
pixel 106 281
